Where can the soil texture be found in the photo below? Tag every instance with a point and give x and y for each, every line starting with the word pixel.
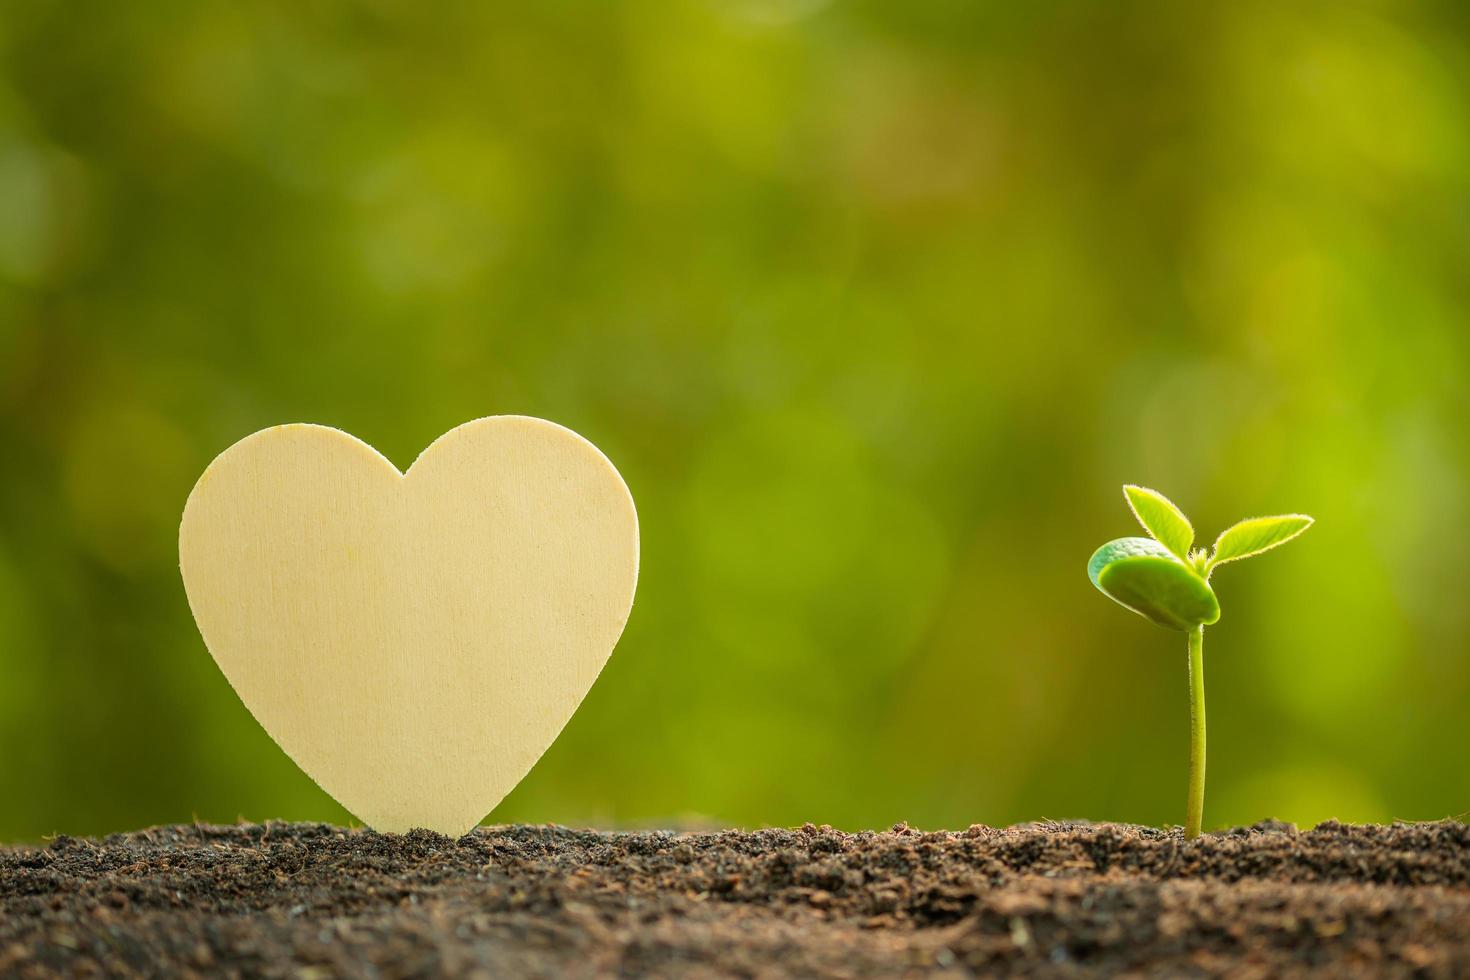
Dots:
pixel 1055 899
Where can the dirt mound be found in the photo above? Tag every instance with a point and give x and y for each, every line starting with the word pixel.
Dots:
pixel 1044 899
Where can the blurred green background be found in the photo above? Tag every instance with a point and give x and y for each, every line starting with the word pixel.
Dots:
pixel 875 305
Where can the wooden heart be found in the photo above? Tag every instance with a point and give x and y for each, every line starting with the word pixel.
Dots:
pixel 414 641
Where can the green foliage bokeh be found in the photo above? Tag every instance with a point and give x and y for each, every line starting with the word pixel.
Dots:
pixel 875 306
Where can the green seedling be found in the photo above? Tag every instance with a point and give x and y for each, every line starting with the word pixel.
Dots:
pixel 1162 580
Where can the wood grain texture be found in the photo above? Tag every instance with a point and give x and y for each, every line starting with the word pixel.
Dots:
pixel 414 641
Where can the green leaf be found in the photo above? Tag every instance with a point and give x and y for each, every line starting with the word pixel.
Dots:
pixel 1144 576
pixel 1253 536
pixel 1161 518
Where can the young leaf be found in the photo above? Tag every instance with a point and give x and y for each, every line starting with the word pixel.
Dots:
pixel 1161 518
pixel 1258 534
pixel 1142 575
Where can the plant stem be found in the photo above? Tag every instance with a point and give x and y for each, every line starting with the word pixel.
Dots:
pixel 1195 809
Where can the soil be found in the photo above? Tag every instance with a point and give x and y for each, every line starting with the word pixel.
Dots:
pixel 1064 900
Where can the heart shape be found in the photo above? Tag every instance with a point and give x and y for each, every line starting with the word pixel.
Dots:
pixel 414 641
